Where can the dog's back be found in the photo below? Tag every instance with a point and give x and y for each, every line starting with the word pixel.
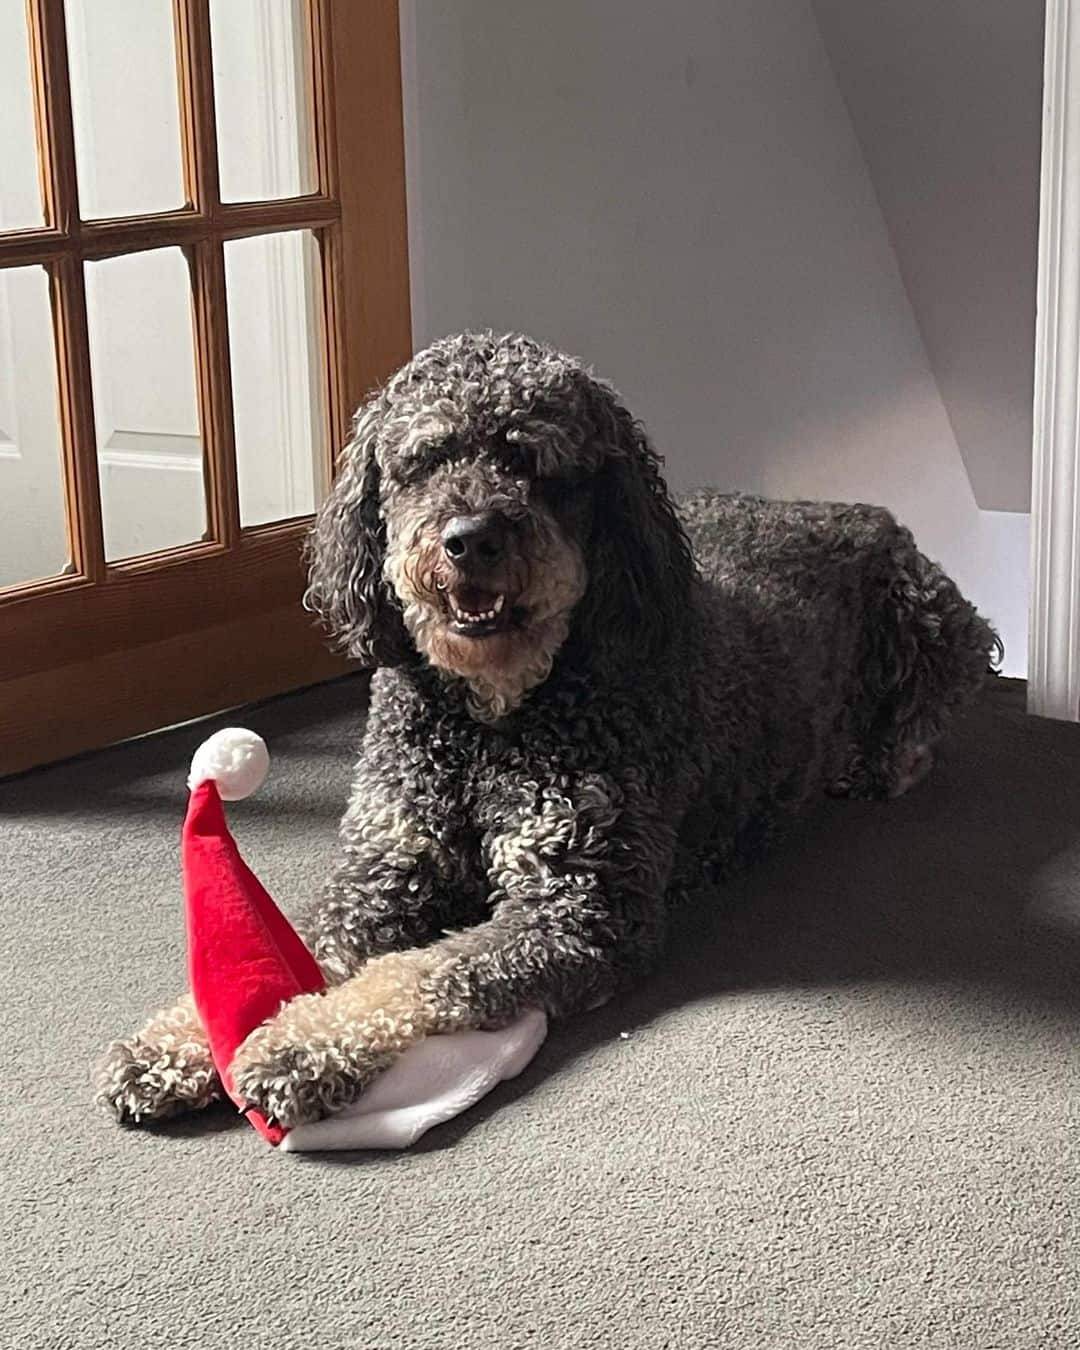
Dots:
pixel 739 539
pixel 877 640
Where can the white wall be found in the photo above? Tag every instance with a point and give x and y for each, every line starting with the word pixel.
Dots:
pixel 676 193
pixel 946 100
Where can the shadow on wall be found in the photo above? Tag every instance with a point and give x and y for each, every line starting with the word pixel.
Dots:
pixel 682 203
pixel 946 100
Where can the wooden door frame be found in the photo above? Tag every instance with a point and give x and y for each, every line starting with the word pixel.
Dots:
pixel 113 650
pixel 1053 686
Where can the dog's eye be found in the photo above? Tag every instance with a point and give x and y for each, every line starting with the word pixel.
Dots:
pixel 422 460
pixel 561 494
pixel 514 457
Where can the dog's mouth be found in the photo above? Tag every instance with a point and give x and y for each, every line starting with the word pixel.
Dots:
pixel 475 612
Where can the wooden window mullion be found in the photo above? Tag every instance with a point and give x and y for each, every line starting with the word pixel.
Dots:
pixel 52 114
pixel 60 188
pixel 130 234
pixel 76 407
pixel 198 121
pixel 321 52
pixel 214 375
pixel 338 411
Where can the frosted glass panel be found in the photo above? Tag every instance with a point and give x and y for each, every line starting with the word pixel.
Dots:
pixel 142 357
pixel 33 525
pixel 262 91
pixel 274 288
pixel 122 56
pixel 20 188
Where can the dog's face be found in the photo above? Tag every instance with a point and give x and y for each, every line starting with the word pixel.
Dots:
pixel 486 531
pixel 492 494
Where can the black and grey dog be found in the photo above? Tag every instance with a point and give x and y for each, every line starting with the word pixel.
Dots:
pixel 586 702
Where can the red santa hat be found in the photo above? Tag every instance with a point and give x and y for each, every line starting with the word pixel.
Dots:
pixel 244 958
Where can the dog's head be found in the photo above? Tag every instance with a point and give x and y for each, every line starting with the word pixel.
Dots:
pixel 493 497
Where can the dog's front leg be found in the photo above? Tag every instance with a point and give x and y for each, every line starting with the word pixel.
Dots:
pixel 394 886
pixel 578 915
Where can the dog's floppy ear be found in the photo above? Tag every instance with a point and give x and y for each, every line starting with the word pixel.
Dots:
pixel 641 569
pixel 346 551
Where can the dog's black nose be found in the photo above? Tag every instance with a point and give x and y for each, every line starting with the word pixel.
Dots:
pixel 476 541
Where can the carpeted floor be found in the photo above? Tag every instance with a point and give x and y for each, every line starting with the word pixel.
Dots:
pixel 845 1115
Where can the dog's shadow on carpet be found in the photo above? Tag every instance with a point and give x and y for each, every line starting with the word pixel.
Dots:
pixel 973 880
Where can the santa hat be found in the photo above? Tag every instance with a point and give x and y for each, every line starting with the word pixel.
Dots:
pixel 244 958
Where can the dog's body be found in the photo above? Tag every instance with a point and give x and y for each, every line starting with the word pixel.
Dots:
pixel 573 721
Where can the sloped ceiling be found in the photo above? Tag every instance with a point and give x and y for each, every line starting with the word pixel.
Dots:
pixel 946 100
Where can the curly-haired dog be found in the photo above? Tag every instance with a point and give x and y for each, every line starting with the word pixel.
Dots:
pixel 574 716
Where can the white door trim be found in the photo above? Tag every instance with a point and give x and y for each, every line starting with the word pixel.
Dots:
pixel 1054 641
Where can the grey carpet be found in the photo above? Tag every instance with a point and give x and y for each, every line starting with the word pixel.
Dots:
pixel 844 1115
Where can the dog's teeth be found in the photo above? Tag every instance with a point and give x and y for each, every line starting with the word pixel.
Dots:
pixel 479 615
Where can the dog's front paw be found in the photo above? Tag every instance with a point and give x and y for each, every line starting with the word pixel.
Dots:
pixel 296 1084
pixel 137 1082
pixel 320 1051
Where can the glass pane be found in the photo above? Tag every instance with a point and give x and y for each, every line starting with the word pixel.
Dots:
pixel 262 92
pixel 20 188
pixel 142 358
pixel 33 524
pixel 278 374
pixel 122 56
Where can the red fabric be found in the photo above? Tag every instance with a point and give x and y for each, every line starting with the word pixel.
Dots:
pixel 244 958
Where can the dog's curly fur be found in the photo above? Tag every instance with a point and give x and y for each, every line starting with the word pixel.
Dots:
pixel 662 688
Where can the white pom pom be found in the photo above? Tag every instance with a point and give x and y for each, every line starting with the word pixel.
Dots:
pixel 236 759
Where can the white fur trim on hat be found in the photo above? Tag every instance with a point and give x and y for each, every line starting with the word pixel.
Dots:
pixel 235 758
pixel 434 1080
